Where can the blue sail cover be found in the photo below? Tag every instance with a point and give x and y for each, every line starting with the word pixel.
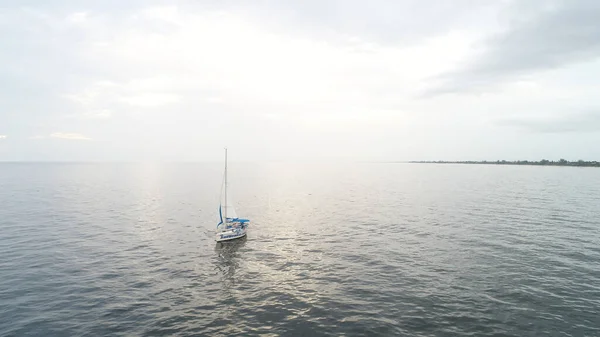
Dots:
pixel 238 220
pixel 220 216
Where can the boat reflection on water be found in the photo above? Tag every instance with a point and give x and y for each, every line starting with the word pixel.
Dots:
pixel 228 259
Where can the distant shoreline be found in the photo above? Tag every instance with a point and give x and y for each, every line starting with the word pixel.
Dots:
pixel 544 162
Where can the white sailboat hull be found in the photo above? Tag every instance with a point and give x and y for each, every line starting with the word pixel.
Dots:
pixel 230 234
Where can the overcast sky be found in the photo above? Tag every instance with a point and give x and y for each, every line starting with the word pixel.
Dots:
pixel 297 80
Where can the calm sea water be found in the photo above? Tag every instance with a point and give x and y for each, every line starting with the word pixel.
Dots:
pixel 333 250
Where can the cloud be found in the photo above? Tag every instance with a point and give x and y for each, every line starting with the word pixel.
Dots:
pixel 382 22
pixel 69 136
pixel 3 136
pixel 215 100
pixel 101 98
pixel 94 101
pixel 247 64
pixel 296 79
pixel 552 35
pixel 573 123
pixel 101 113
pixel 151 99
pixel 77 18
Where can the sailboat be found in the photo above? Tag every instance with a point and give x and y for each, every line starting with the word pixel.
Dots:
pixel 230 227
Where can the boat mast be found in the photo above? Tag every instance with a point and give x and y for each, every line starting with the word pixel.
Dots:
pixel 226 205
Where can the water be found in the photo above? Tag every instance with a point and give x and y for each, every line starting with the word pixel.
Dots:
pixel 333 250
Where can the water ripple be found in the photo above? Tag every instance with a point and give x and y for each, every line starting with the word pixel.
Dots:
pixel 390 250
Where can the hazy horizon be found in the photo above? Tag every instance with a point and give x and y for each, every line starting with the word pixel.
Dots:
pixel 290 161
pixel 153 81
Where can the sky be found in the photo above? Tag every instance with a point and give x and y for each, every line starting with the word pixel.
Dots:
pixel 299 80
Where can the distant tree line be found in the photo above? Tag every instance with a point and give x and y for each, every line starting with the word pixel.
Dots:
pixel 543 162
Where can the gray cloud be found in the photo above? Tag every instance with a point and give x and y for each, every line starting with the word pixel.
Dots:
pixel 573 123
pixel 150 79
pixel 549 36
pixel 378 21
pixel 386 21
